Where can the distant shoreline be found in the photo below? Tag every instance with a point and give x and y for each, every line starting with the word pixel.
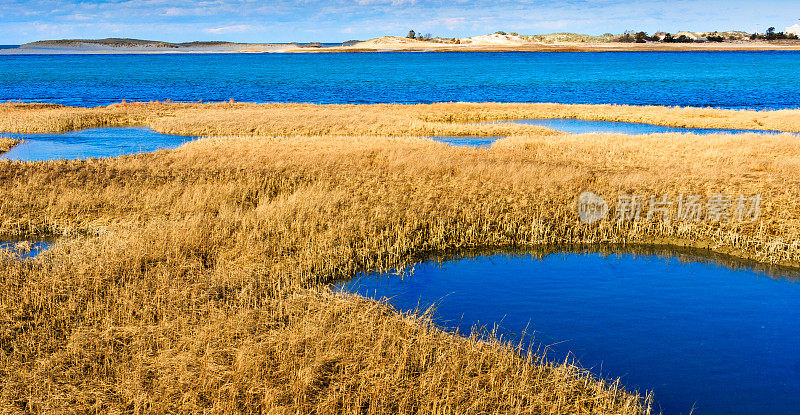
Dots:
pixel 488 43
pixel 573 47
pixel 587 48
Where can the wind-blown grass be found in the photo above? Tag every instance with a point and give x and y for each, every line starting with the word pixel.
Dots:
pixel 193 280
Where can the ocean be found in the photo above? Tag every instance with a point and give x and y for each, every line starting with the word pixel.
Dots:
pixel 759 80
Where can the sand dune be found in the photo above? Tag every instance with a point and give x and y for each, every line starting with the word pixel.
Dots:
pixel 495 39
pixel 394 42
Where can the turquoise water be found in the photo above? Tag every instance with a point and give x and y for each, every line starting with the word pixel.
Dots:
pixel 718 79
pixel 582 126
pixel 96 142
pixel 719 339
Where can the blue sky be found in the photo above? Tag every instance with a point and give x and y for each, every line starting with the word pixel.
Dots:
pixel 338 20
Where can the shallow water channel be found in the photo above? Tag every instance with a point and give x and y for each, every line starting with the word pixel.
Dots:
pixel 704 335
pixel 470 141
pixel 95 142
pixel 584 126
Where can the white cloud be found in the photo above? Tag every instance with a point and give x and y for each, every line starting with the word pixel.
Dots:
pixel 229 29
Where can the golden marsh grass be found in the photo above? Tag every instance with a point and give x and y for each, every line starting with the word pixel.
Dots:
pixel 443 119
pixel 193 280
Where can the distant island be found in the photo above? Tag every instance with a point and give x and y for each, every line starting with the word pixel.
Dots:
pixel 122 43
pixel 498 41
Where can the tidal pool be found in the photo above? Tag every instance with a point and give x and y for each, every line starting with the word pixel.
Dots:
pixel 703 336
pixel 583 126
pixel 95 142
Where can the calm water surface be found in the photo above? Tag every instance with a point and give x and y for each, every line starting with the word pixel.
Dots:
pixel 96 142
pixel 700 335
pixel 718 79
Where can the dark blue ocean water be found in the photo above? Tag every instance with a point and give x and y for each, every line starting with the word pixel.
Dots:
pixel 700 335
pixel 718 79
pixel 95 142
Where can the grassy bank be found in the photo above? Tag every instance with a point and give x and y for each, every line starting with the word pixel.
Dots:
pixel 193 279
pixel 7 143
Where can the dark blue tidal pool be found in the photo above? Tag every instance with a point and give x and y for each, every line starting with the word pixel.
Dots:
pixel 96 142
pixel 583 126
pixel 704 336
